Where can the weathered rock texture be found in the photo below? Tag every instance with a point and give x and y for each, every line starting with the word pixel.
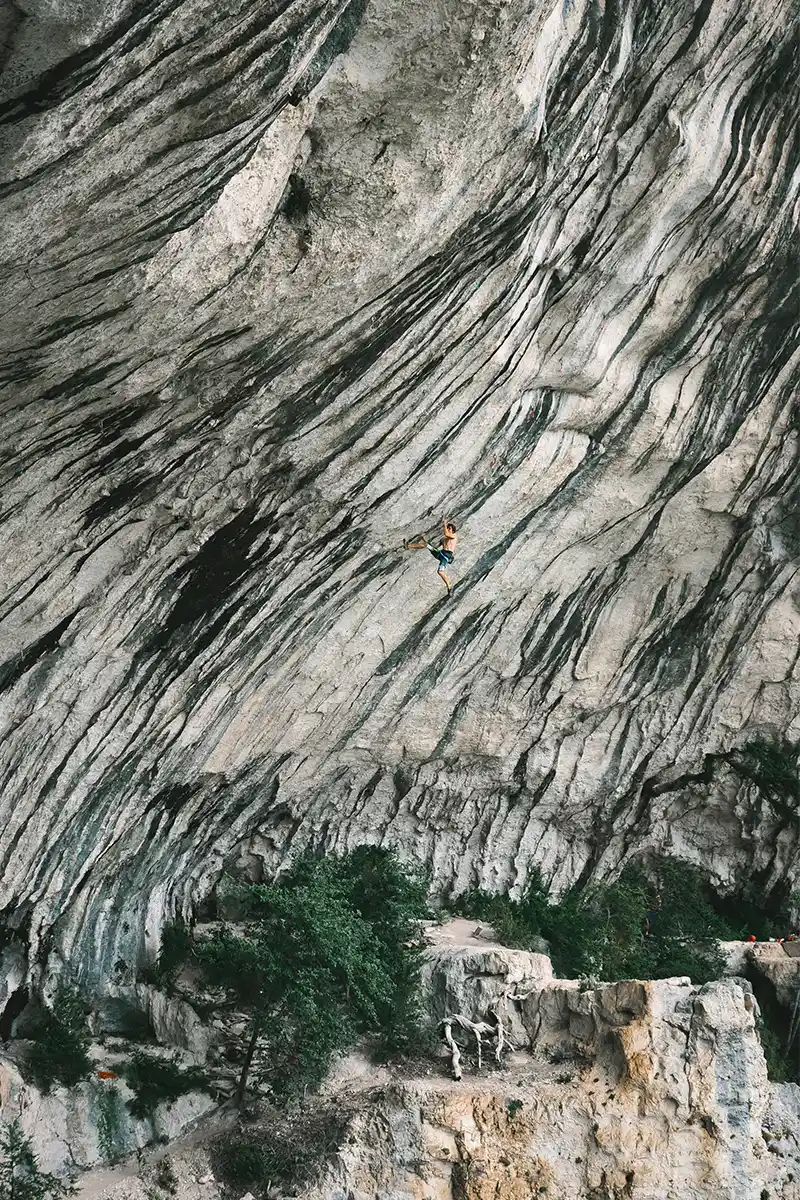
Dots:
pixel 667 1100
pixel 625 1091
pixel 267 309
pixel 781 971
pixel 465 971
pixel 88 1125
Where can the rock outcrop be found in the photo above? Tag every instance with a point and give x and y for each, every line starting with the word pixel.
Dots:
pixel 466 971
pixel 89 1125
pixel 625 1091
pixel 781 971
pixel 639 1090
pixel 283 281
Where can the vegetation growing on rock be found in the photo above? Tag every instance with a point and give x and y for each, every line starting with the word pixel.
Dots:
pixel 60 1050
pixel 329 954
pixel 282 1148
pixel 772 767
pixel 156 1080
pixel 20 1177
pixel 639 927
pixel 109 1122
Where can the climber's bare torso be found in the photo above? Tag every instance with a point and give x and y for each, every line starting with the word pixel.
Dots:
pixel 450 537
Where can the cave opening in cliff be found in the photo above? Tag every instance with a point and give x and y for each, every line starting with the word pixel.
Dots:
pixel 777 1025
pixel 14 1007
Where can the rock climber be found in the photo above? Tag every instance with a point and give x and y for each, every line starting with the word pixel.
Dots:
pixel 444 554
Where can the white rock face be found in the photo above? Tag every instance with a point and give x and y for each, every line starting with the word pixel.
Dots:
pixel 174 1022
pixel 668 1102
pixel 266 311
pixel 88 1125
pixel 465 971
pixel 631 1091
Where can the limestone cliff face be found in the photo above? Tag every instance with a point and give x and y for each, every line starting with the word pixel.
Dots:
pixel 282 282
pixel 649 1091
pixel 627 1091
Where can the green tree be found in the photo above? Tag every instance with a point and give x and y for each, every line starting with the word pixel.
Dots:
pixel 60 1050
pixel 110 1134
pixel 392 897
pixel 646 925
pixel 329 953
pixel 156 1080
pixel 20 1177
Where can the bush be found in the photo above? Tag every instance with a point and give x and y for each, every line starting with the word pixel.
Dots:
pixel 61 1042
pixel 109 1122
pixel 159 1081
pixel 20 1177
pixel 290 1150
pixel 176 942
pixel 164 1176
pixel 331 953
pixel 773 768
pixel 637 927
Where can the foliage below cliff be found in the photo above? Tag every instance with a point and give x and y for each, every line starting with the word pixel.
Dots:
pixel 61 1043
pixel 20 1176
pixel 156 1080
pixel 329 954
pixel 282 1147
pixel 643 927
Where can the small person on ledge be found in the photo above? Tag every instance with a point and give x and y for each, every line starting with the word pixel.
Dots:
pixel 444 553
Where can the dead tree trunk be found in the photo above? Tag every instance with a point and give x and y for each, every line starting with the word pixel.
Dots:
pixel 455 1053
pixel 476 1028
pixel 248 1062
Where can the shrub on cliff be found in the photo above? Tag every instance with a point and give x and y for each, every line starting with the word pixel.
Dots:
pixel 282 1148
pixel 637 927
pixel 773 768
pixel 331 953
pixel 156 1080
pixel 61 1043
pixel 20 1177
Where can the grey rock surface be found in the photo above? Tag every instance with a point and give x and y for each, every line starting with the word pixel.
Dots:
pixel 669 1104
pixel 90 1124
pixel 282 282
pixel 472 975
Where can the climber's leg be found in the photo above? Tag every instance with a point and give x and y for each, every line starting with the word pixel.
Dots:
pixel 419 543
pixel 444 558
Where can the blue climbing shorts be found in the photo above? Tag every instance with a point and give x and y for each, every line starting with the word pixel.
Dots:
pixel 445 557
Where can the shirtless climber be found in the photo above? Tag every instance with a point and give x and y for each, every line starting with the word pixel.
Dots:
pixel 444 553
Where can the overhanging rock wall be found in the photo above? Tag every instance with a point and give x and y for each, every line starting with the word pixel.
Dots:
pixel 284 281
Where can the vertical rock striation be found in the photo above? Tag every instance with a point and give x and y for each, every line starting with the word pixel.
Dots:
pixel 285 280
